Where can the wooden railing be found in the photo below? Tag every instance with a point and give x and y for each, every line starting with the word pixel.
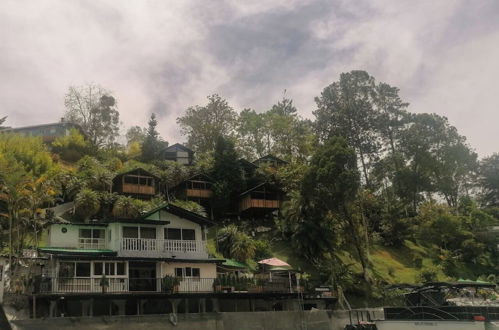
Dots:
pixel 248 202
pixel 138 189
pixel 199 193
pixel 91 243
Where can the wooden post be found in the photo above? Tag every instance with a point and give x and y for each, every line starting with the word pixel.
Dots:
pixel 34 306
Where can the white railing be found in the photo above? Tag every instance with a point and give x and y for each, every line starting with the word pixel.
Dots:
pixel 162 248
pixel 91 243
pixel 139 244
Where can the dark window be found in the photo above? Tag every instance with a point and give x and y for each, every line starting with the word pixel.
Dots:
pixel 131 232
pixel 173 233
pixel 98 268
pixel 189 234
pixel 147 232
pixel 86 233
pixel 195 272
pixel 82 269
pixel 120 268
pixel 109 268
pixel 188 271
pixel 98 233
pixel 66 269
pixel 178 272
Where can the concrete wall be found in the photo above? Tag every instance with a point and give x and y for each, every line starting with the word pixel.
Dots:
pixel 206 270
pixel 288 320
pixel 69 239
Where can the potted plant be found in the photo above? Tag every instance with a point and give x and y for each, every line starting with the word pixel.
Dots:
pixel 104 283
pixel 217 285
pixel 170 284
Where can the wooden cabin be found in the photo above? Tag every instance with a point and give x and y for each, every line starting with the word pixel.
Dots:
pixel 263 197
pixel 248 167
pixel 137 183
pixel 270 160
pixel 179 154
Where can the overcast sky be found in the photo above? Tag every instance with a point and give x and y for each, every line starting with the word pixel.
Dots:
pixel 163 56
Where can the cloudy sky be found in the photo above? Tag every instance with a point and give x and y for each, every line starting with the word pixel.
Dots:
pixel 163 56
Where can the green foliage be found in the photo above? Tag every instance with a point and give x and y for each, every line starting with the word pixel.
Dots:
pixel 204 124
pixel 71 147
pixel 235 244
pixel 228 176
pixel 27 152
pixel 87 203
pixel 489 180
pixel 190 206
pixel 429 274
pixel 262 250
pixel 152 143
pixel 127 207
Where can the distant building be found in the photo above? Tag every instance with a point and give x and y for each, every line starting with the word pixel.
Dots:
pixel 261 199
pixel 48 132
pixel 137 183
pixel 270 160
pixel 178 153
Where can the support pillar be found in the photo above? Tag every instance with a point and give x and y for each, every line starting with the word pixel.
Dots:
pixel 34 306
pixel 216 306
pixel 53 308
pixel 86 307
pixel 121 306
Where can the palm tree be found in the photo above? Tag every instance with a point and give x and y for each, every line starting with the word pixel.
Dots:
pixel 87 203
pixel 233 243
pixel 126 207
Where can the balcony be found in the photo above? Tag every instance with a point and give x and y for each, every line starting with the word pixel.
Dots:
pixel 156 248
pixel 120 285
pixel 199 193
pixel 131 188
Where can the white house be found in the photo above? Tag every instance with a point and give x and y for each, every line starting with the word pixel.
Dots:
pixel 127 255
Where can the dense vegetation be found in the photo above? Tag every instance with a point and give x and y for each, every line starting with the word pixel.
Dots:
pixel 375 193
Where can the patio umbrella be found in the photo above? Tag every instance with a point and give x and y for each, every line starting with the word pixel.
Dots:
pixel 274 262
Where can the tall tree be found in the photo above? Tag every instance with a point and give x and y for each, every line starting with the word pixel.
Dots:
pixel 136 134
pixel 345 108
pixel 203 124
pixel 94 109
pixel 489 180
pixel 227 174
pixel 152 144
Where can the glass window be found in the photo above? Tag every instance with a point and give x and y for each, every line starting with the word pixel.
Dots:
pixel 195 272
pixel 188 271
pixel 178 272
pixel 109 268
pixel 120 268
pixel 188 234
pixel 173 233
pixel 131 232
pixel 83 269
pixel 86 233
pixel 66 269
pixel 147 232
pixel 98 268
pixel 98 233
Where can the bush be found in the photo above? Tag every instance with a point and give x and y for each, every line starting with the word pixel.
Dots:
pixel 429 274
pixel 72 147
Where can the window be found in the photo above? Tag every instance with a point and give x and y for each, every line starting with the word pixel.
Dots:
pixel 74 269
pixel 180 234
pixel 111 268
pixel 131 232
pixel 173 233
pixel 91 233
pixel 146 232
pixel 187 272
pixel 188 234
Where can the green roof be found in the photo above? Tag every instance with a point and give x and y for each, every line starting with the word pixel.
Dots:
pixel 56 250
pixel 234 264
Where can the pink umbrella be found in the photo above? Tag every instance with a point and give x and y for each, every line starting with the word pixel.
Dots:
pixel 274 262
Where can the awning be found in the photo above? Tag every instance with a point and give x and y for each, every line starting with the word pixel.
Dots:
pixel 64 251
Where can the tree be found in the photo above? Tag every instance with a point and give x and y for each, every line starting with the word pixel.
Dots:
pixel 233 243
pixel 203 124
pixel 227 175
pixel 71 147
pixel 152 144
pixel 489 180
pixel 87 203
pixel 94 109
pixel 136 134
pixel 126 207
pixel 345 108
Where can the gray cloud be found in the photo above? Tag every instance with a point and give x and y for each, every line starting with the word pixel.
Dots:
pixel 163 56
